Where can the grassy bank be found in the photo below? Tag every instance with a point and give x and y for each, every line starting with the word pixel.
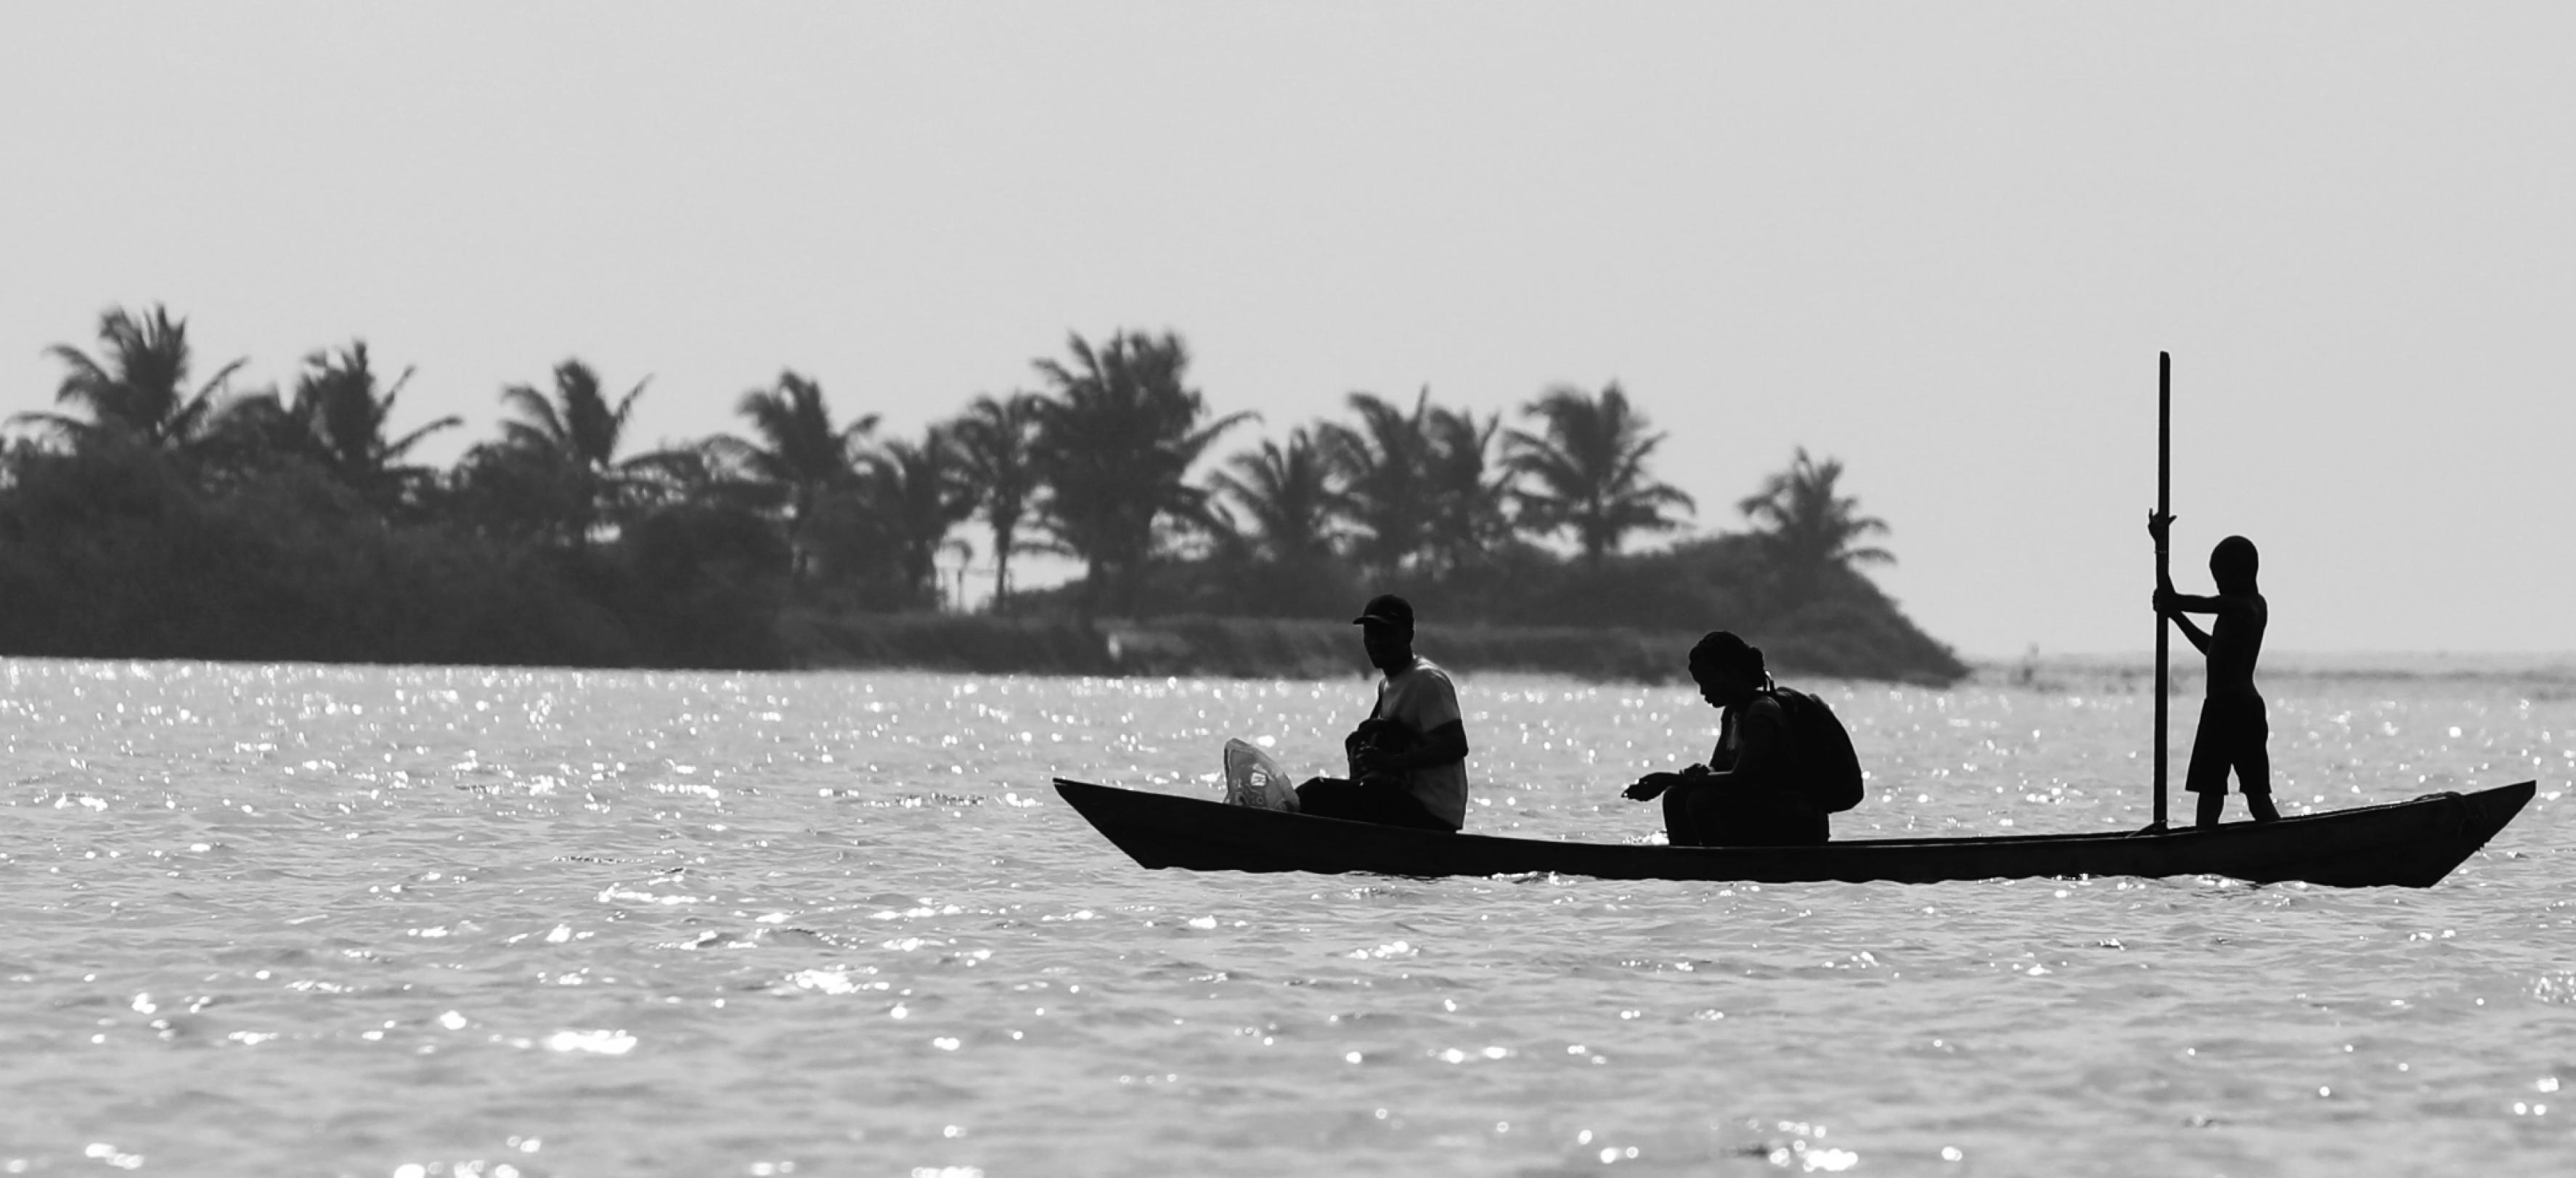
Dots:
pixel 1306 648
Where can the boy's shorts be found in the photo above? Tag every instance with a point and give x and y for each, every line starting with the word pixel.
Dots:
pixel 2233 735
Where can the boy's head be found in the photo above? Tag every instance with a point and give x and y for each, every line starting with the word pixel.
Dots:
pixel 2233 564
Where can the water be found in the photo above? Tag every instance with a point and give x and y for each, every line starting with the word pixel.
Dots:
pixel 426 921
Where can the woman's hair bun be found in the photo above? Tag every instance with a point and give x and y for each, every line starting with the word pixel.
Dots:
pixel 1721 648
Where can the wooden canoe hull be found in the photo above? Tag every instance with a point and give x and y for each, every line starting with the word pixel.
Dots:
pixel 2403 844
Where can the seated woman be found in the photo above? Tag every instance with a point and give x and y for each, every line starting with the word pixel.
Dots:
pixel 1747 794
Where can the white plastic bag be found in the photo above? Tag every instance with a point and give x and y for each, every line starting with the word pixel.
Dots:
pixel 1253 779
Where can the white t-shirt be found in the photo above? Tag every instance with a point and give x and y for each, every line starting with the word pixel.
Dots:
pixel 1421 698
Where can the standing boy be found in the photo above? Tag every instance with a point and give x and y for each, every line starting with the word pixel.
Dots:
pixel 2233 730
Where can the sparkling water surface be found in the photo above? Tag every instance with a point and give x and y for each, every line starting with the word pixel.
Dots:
pixel 428 921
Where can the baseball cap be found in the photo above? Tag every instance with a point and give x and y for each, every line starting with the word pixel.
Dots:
pixel 1386 609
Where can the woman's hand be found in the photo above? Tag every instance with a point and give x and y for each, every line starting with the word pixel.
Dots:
pixel 1652 785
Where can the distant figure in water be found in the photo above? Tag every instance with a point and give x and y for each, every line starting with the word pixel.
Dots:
pixel 1748 794
pixel 2233 730
pixel 1408 759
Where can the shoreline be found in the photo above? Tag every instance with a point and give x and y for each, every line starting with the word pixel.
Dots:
pixel 1304 648
pixel 2134 671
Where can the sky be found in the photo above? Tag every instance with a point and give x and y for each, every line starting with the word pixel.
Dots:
pixel 1941 243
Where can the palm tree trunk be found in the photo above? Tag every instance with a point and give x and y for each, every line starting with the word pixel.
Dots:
pixel 1087 603
pixel 1001 570
pixel 799 562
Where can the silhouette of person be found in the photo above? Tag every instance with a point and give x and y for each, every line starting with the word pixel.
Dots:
pixel 1408 759
pixel 1747 794
pixel 2233 730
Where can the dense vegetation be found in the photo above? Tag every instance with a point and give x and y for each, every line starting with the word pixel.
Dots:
pixel 159 516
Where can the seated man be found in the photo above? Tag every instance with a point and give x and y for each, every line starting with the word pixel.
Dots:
pixel 1748 794
pixel 1409 757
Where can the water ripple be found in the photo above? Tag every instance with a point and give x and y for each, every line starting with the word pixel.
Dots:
pixel 451 921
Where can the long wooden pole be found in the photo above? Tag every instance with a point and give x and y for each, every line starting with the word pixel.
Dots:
pixel 2164 511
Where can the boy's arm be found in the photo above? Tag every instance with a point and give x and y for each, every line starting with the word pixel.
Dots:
pixel 2171 602
pixel 2168 601
pixel 2184 603
pixel 2175 605
pixel 2156 525
pixel 2199 639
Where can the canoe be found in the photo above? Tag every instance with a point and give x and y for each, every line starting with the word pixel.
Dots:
pixel 2402 844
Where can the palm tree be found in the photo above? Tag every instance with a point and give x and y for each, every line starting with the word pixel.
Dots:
pixel 910 496
pixel 1383 464
pixel 800 453
pixel 1290 495
pixel 137 388
pixel 342 418
pixel 706 473
pixel 1806 528
pixel 1469 497
pixel 1115 446
pixel 577 425
pixel 573 438
pixel 997 441
pixel 1589 466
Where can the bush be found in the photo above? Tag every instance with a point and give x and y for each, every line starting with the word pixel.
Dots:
pixel 115 553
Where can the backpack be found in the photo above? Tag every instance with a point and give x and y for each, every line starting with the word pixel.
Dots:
pixel 1828 768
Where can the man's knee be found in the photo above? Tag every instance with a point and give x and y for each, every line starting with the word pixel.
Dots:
pixel 1327 797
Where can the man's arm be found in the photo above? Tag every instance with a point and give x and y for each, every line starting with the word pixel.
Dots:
pixel 1358 743
pixel 1443 745
pixel 1424 702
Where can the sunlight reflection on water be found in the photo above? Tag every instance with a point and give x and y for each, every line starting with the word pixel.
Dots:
pixel 435 921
